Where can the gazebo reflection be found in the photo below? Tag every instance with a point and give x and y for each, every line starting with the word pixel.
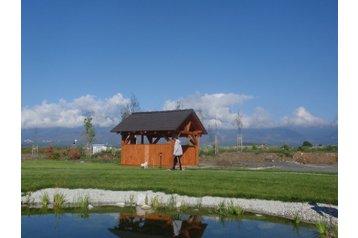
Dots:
pixel 157 225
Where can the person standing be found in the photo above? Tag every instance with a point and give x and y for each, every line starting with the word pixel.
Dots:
pixel 177 153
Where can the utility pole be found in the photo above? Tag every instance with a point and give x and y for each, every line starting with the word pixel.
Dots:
pixel 35 147
pixel 239 125
pixel 216 148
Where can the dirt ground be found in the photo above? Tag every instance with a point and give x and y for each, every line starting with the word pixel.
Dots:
pixel 310 161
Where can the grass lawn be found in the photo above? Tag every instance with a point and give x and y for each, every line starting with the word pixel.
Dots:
pixel 274 185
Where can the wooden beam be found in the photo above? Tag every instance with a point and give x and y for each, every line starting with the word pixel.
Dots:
pixel 124 138
pixel 191 139
pixel 190 132
pixel 187 127
pixel 156 140
pixel 196 139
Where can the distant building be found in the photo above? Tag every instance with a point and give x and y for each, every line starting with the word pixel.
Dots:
pixel 96 148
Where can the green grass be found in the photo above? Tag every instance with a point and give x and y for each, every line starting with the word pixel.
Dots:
pixel 39 174
pixel 83 202
pixel 58 200
pixel 45 200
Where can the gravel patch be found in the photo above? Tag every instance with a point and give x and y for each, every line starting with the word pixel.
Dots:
pixel 308 212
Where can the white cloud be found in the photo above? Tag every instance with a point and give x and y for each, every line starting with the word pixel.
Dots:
pixel 261 118
pixel 301 117
pixel 213 109
pixel 71 114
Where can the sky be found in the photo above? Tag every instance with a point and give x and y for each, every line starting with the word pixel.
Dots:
pixel 273 61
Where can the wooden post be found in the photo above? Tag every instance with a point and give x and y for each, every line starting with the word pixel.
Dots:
pixel 123 144
pixel 160 159
pixel 187 127
pixel 197 145
pixel 133 139
pixel 124 138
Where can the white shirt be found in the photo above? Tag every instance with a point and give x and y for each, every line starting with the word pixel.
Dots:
pixel 177 148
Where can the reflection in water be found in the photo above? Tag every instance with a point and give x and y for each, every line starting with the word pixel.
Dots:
pixel 159 225
pixel 126 224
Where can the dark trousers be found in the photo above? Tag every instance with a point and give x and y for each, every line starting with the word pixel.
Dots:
pixel 176 160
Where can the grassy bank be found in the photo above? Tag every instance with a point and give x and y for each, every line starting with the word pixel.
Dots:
pixel 38 174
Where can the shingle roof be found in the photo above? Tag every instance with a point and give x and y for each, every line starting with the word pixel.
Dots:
pixel 156 121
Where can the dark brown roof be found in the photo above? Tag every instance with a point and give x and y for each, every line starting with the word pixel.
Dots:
pixel 158 121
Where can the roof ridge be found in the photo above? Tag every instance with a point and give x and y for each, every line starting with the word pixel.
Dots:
pixel 165 111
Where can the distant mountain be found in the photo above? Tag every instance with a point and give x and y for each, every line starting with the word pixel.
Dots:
pixel 65 136
pixel 294 136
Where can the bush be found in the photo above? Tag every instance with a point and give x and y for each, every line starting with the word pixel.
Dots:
pixel 52 154
pixel 286 151
pixel 55 156
pixel 331 148
pixel 207 152
pixel 63 152
pixel 285 147
pixel 49 152
pixel 74 153
pixel 109 154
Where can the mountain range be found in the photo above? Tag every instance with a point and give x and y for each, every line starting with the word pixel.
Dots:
pixel 293 136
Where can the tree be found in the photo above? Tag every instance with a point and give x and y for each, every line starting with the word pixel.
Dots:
pixel 89 131
pixel 285 147
pixel 178 105
pixel 132 106
pixel 307 144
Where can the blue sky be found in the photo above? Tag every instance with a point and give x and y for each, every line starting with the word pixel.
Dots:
pixel 274 61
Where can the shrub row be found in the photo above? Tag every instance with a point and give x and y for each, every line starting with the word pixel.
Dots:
pixel 74 153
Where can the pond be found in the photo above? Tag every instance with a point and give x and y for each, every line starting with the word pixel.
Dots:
pixel 115 222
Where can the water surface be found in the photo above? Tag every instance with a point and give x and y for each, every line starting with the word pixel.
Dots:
pixel 121 223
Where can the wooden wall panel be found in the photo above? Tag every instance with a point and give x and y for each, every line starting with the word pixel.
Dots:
pixel 157 155
pixel 132 154
pixel 160 155
pixel 189 157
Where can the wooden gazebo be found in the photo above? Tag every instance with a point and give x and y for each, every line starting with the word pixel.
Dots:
pixel 157 225
pixel 148 137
